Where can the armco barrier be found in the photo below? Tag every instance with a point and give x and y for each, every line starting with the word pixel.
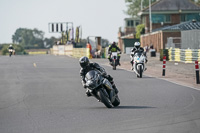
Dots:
pixel 184 55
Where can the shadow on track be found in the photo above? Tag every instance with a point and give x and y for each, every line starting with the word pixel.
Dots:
pixel 133 107
pixel 121 107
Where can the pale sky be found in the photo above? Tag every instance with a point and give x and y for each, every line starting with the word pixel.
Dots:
pixel 97 17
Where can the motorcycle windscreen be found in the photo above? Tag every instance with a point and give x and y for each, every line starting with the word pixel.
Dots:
pixel 114 53
pixel 138 54
pixel 91 75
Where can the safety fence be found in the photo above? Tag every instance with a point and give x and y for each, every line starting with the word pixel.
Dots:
pixel 184 55
pixel 70 51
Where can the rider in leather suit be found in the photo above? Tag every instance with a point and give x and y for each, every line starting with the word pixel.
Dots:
pixel 113 48
pixel 135 49
pixel 86 66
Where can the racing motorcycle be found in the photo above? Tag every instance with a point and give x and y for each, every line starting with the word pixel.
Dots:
pixel 139 63
pixel 114 60
pixel 101 89
pixel 10 52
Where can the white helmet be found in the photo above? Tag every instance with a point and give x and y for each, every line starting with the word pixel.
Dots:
pixel 137 44
pixel 10 45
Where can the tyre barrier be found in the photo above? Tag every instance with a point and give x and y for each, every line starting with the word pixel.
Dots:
pixel 184 55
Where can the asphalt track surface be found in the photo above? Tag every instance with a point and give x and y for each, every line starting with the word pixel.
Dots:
pixel 43 94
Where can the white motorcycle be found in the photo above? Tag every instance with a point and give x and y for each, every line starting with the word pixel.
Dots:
pixel 139 64
pixel 10 52
pixel 114 60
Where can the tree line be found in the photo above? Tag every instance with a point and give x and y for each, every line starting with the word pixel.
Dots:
pixel 32 38
pixel 25 38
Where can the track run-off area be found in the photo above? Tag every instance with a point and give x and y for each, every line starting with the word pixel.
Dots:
pixel 44 94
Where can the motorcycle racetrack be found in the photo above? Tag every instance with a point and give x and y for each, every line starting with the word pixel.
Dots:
pixel 44 94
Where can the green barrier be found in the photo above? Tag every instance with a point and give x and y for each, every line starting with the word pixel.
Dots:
pixel 164 52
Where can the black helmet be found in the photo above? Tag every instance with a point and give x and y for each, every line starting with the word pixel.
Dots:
pixel 114 43
pixel 84 62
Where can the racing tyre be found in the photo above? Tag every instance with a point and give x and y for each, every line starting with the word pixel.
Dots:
pixel 116 102
pixel 140 71
pixel 114 65
pixel 105 100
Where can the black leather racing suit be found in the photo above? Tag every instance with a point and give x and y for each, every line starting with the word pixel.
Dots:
pixel 95 66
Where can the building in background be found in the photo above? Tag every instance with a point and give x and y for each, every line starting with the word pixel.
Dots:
pixel 169 12
pixel 170 36
pixel 190 39
pixel 169 18
pixel 127 33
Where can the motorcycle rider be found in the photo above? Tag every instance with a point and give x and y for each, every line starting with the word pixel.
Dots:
pixel 136 49
pixel 113 48
pixel 86 66
pixel 11 47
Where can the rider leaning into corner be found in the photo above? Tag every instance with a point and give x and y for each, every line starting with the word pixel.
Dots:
pixel 113 48
pixel 136 49
pixel 86 66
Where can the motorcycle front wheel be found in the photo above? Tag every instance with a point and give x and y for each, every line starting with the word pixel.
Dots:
pixel 114 65
pixel 140 71
pixel 104 99
pixel 116 102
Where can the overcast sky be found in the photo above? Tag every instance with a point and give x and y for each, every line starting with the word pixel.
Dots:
pixel 97 17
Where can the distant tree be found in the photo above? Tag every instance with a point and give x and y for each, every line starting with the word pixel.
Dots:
pixel 49 42
pixel 84 41
pixel 104 43
pixel 28 37
pixel 134 6
pixel 196 1
pixel 18 48
pixel 140 29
